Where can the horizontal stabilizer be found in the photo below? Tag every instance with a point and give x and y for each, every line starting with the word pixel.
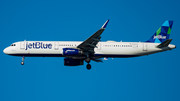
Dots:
pixel 165 43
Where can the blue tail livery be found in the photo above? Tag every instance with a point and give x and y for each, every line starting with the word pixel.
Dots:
pixel 163 33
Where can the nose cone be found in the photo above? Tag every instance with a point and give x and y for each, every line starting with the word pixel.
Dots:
pixel 5 51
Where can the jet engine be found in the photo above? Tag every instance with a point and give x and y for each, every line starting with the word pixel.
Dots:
pixel 72 51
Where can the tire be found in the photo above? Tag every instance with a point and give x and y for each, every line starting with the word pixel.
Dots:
pixel 22 63
pixel 88 66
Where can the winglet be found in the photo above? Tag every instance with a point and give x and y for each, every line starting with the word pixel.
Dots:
pixel 105 24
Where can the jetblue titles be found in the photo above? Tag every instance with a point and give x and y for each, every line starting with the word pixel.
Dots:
pixel 159 37
pixel 38 45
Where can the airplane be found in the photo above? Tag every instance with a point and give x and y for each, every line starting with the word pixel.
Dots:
pixel 76 52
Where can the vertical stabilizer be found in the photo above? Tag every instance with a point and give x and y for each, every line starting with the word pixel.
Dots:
pixel 163 33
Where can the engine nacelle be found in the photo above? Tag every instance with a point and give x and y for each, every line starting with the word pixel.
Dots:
pixel 71 51
pixel 73 62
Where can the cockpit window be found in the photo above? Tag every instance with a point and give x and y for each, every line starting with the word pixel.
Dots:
pixel 13 44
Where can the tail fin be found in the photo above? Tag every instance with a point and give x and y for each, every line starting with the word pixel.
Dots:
pixel 163 33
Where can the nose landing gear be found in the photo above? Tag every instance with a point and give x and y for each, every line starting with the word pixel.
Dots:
pixel 22 63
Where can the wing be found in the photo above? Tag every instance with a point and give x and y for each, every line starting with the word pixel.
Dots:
pixel 89 44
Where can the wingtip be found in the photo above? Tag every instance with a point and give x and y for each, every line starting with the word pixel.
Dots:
pixel 105 24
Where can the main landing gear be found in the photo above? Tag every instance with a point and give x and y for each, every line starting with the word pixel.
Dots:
pixel 88 66
pixel 22 63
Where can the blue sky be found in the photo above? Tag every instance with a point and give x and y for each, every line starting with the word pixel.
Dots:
pixel 154 77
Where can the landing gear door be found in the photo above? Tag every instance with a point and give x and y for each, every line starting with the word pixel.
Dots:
pixel 22 45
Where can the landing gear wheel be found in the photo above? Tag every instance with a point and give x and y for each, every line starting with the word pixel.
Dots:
pixel 88 66
pixel 22 63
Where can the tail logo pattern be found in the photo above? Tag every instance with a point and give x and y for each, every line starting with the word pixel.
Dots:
pixel 163 33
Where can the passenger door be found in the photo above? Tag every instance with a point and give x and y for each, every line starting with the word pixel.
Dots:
pixel 22 45
pixel 144 46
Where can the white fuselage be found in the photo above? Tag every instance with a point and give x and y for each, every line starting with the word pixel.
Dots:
pixel 103 49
